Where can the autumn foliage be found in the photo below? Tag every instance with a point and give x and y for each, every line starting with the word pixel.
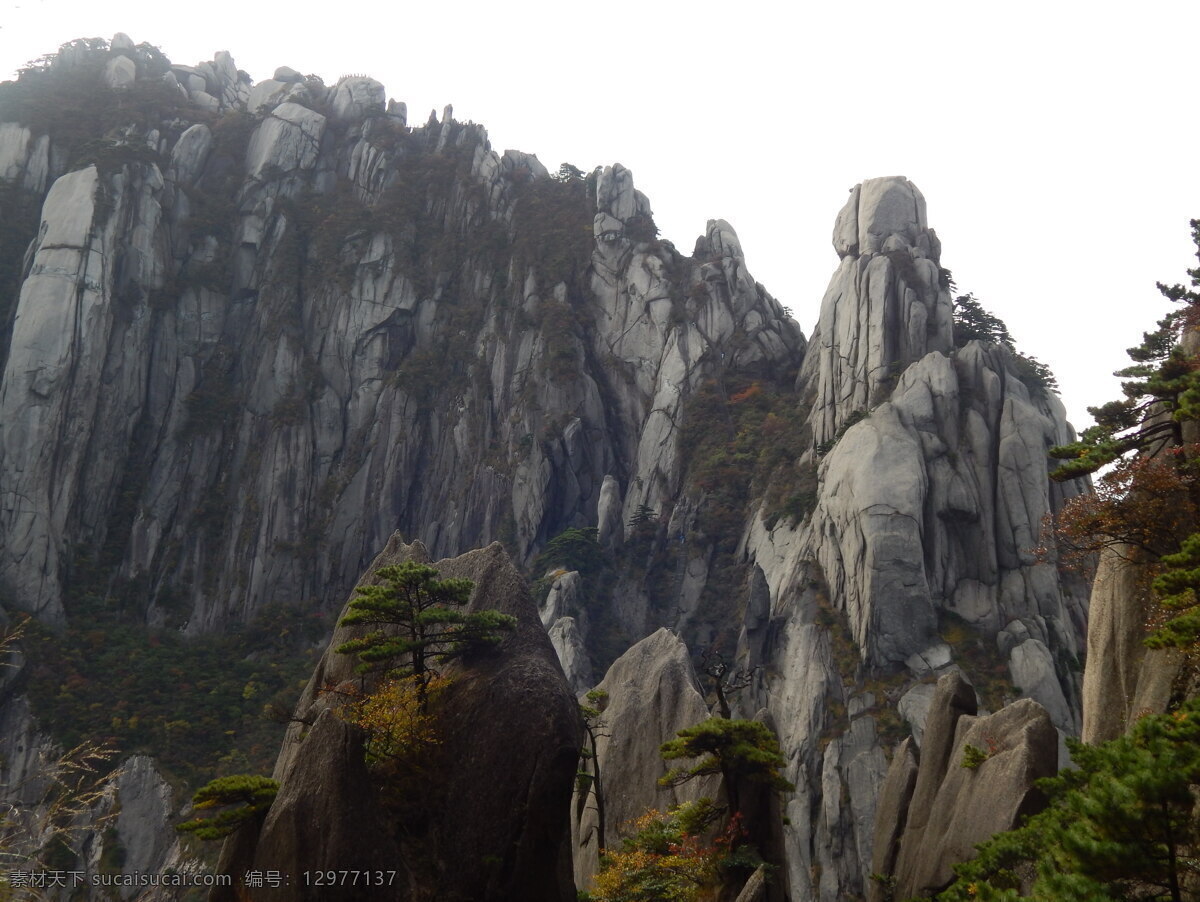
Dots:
pixel 399 727
pixel 1147 504
pixel 666 860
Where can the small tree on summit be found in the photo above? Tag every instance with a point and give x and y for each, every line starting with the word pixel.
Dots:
pixel 418 624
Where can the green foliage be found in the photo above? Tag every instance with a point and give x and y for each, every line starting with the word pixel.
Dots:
pixel 740 441
pixel 77 107
pixel 553 227
pixel 417 623
pixel 665 860
pixel 1162 393
pixel 1120 825
pixel 1176 588
pixel 241 798
pixel 973 757
pixel 576 548
pixel 736 749
pixel 1162 390
pixel 973 323
pixel 151 691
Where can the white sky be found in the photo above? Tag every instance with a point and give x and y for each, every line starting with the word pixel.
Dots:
pixel 1056 142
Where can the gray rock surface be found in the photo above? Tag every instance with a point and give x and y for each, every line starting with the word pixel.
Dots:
pixel 246 341
pixel 914 708
pixel 931 488
pixel 891 815
pixel 572 654
pixel 120 73
pixel 652 694
pixel 318 384
pixel 328 812
pixel 1123 679
pixel 973 804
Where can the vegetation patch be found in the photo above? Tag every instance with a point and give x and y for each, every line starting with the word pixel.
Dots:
pixel 979 658
pixel 203 707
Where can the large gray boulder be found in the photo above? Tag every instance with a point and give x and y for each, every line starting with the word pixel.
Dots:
pixel 933 810
pixel 484 838
pixel 652 694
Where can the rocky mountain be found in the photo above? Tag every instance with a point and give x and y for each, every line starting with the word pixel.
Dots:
pixel 250 331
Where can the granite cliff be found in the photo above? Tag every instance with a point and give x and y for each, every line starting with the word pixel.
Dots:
pixel 250 331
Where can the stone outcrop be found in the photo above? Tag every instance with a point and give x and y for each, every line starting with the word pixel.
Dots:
pixel 328 813
pixel 1123 679
pixel 253 339
pixel 462 399
pixel 652 694
pixel 934 810
pixel 932 484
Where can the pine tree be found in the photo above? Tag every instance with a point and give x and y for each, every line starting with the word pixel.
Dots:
pixel 736 749
pixel 1119 826
pixel 418 623
pixel 1161 391
pixel 240 798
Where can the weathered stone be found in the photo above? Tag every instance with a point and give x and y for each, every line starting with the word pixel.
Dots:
pixel 143 821
pixel 652 694
pixel 755 889
pixel 120 72
pixel 355 97
pixel 190 154
pixel 891 815
pixel 572 654
pixel 269 93
pixel 973 804
pixel 611 526
pixel 954 698
pixel 1123 679
pixel 288 139
pixel 914 707
pixel 329 814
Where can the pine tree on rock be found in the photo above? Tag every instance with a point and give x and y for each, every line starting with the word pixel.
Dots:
pixel 418 623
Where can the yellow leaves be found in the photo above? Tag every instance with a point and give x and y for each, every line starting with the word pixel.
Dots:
pixel 659 863
pixel 397 718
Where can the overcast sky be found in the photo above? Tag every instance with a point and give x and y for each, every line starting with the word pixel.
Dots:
pixel 1056 143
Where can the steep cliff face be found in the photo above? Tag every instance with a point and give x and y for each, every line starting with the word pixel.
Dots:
pixel 250 331
pixel 919 547
pixel 260 343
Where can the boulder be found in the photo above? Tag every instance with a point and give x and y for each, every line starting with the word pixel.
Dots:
pixel 974 804
pixel 933 810
pixel 356 96
pixel 288 139
pixel 652 694
pixel 120 72
pixel 485 838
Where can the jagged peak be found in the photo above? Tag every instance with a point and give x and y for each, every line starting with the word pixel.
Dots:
pixel 882 215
